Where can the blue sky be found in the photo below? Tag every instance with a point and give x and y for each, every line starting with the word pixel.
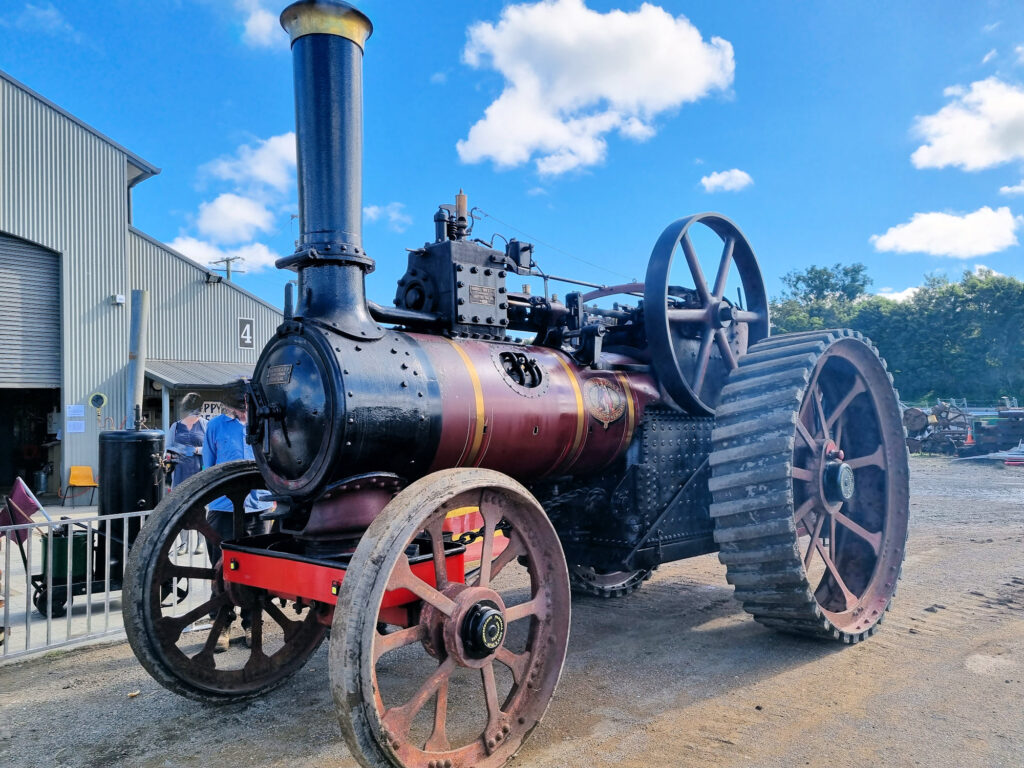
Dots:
pixel 886 133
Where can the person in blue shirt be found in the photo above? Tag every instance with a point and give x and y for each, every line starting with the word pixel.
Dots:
pixel 185 442
pixel 225 441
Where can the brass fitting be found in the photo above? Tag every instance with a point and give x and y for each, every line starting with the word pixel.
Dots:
pixel 326 17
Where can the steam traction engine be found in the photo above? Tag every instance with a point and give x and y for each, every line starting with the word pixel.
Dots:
pixel 439 486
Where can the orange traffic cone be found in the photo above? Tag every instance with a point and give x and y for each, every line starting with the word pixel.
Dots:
pixel 970 435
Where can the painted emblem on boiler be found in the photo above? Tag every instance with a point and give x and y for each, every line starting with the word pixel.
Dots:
pixel 605 400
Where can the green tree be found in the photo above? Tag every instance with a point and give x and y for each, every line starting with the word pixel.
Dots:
pixel 951 339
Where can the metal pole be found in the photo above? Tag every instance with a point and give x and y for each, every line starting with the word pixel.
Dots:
pixel 165 409
pixel 137 351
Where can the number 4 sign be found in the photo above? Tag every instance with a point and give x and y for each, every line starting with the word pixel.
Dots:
pixel 245 333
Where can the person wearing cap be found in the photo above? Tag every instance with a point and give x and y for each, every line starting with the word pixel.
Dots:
pixel 225 441
pixel 185 445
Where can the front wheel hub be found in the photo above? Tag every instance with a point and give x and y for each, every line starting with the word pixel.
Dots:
pixel 483 629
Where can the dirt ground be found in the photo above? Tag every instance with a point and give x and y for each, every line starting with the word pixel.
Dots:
pixel 675 675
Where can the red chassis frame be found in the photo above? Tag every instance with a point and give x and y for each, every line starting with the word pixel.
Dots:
pixel 295 577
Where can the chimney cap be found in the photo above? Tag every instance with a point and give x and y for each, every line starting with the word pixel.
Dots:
pixel 326 17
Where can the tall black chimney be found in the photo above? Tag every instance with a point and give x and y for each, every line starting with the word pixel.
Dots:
pixel 327 57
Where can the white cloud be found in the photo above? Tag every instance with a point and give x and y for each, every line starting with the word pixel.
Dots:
pixel 979 233
pixel 439 78
pixel 573 75
pixel 46 18
pixel 393 213
pixel 1016 189
pixel 231 218
pixel 991 27
pixel 980 128
pixel 255 257
pixel 726 181
pixel 905 295
pixel 989 56
pixel 980 270
pixel 269 162
pixel 261 27
pixel 1019 50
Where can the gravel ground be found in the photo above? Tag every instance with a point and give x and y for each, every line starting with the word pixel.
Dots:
pixel 675 675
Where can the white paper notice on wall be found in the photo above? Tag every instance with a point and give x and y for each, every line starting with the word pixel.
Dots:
pixel 74 425
pixel 75 412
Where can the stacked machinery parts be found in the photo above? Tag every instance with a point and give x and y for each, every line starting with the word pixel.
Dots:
pixel 440 488
pixel 952 429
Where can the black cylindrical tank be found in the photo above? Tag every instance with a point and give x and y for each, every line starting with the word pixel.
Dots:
pixel 131 479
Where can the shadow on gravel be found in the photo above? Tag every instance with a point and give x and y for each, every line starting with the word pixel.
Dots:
pixel 678 640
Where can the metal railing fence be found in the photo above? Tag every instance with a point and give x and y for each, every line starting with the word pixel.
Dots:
pixel 62 583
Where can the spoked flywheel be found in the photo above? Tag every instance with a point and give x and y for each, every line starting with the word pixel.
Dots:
pixel 697 335
pixel 178 614
pixel 434 664
pixel 810 484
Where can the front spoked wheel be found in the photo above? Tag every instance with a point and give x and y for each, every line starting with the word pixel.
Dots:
pixel 185 627
pixel 462 671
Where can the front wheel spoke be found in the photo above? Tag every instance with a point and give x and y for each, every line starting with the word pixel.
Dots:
pixel 438 741
pixel 511 551
pixel 220 623
pixel 202 526
pixel 177 624
pixel 188 572
pixel 436 533
pixel 874 539
pixel 385 643
pixel 728 356
pixel 848 596
pixel 857 388
pixel 521 611
pixel 517 662
pixel 486 554
pixel 399 719
pixel 288 626
pixel 491 694
pixel 695 271
pixel 876 459
pixel 402 577
pixel 257 657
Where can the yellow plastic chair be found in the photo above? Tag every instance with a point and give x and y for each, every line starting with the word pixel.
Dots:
pixel 80 477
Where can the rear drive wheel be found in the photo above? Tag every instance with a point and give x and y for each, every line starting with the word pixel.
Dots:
pixel 810 484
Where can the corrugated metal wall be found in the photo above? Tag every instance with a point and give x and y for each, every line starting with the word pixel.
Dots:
pixel 191 319
pixel 29 315
pixel 63 187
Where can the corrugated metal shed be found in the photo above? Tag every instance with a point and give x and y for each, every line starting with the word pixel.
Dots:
pixel 65 187
pixel 30 302
pixel 183 374
pixel 190 317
